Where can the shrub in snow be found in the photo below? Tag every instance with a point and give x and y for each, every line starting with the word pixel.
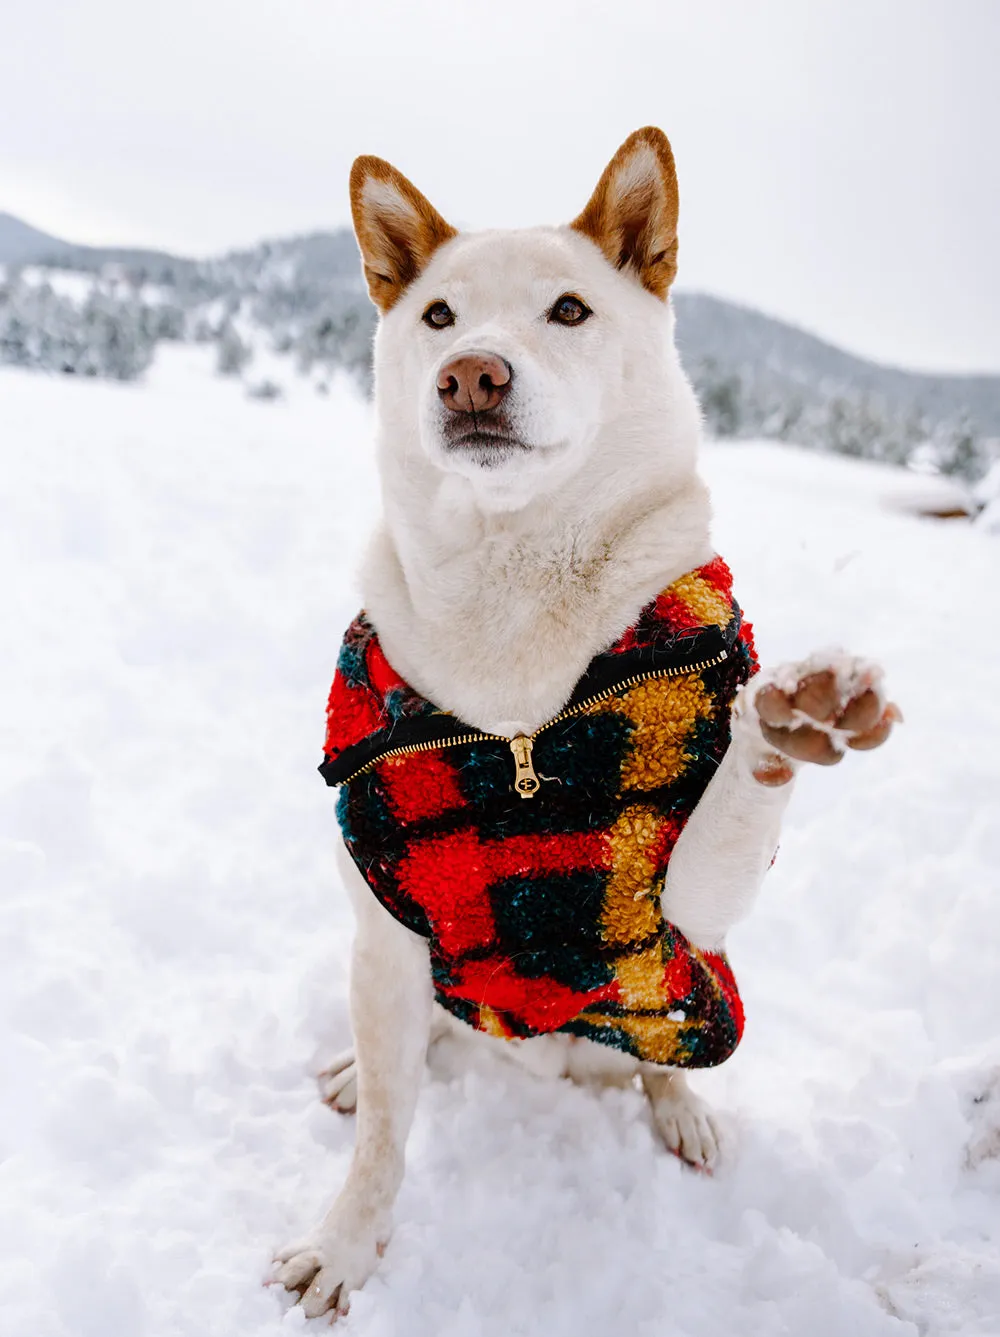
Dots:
pixel 265 390
pixel 233 354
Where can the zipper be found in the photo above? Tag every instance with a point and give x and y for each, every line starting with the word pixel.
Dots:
pixel 526 781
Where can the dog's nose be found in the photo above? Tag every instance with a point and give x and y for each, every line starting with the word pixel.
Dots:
pixel 473 382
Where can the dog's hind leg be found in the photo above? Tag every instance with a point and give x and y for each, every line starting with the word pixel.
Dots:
pixel 338 1081
pixel 593 1064
pixel 391 1016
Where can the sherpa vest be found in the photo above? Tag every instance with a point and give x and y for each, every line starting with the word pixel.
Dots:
pixel 534 865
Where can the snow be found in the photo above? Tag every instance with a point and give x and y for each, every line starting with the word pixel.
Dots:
pixel 65 282
pixel 988 487
pixel 173 941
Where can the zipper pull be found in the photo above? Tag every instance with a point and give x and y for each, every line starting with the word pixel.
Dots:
pixel 526 782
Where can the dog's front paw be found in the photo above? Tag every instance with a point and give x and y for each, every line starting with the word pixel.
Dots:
pixel 685 1122
pixel 812 711
pixel 326 1266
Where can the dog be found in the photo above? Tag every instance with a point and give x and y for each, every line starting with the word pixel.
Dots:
pixel 544 522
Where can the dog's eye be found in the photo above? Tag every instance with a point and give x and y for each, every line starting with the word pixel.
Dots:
pixel 569 310
pixel 439 316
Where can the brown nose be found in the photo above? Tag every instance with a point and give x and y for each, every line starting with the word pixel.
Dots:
pixel 473 382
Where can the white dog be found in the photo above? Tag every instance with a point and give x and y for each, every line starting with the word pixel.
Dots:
pixel 543 514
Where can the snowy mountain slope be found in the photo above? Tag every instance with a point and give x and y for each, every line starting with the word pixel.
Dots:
pixel 22 244
pixel 792 362
pixel 105 312
pixel 173 942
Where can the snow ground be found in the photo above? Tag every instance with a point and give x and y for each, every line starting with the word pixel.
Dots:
pixel 173 941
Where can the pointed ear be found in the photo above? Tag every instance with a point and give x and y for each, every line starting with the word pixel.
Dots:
pixel 397 229
pixel 632 215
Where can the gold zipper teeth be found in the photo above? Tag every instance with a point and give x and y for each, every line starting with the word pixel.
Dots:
pixel 423 747
pixel 632 682
pixel 624 683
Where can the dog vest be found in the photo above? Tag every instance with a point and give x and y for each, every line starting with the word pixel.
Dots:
pixel 534 865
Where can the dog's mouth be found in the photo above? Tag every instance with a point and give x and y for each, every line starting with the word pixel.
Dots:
pixel 486 438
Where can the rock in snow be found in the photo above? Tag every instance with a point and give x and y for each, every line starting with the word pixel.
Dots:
pixel 173 942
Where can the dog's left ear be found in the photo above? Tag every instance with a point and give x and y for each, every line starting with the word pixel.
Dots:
pixel 632 215
pixel 397 229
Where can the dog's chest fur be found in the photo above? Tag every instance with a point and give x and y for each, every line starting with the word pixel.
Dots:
pixel 497 627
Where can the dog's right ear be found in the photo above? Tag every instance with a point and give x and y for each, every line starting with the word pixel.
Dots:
pixel 397 229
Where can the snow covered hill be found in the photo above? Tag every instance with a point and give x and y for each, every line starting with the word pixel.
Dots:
pixel 20 243
pixel 778 363
pixel 173 941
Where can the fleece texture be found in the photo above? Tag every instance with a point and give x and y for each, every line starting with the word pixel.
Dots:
pixel 543 914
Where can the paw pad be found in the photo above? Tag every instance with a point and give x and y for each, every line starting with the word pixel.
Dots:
pixel 813 712
pixel 773 770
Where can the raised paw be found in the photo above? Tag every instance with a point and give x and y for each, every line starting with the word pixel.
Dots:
pixel 326 1266
pixel 813 711
pixel 338 1083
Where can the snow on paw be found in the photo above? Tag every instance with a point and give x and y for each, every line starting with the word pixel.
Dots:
pixel 338 1083
pixel 325 1267
pixel 812 711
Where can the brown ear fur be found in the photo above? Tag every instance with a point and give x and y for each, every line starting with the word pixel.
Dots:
pixel 632 215
pixel 397 229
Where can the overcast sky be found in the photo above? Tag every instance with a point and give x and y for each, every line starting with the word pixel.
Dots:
pixel 839 160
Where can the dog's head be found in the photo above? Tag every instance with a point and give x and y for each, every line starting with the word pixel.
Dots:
pixel 510 359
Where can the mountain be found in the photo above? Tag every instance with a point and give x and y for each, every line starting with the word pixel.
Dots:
pixel 797 364
pixel 102 311
pixel 22 244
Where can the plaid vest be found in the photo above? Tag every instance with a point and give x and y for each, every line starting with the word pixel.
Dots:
pixel 534 865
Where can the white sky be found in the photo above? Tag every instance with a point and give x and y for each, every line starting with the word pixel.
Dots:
pixel 839 160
